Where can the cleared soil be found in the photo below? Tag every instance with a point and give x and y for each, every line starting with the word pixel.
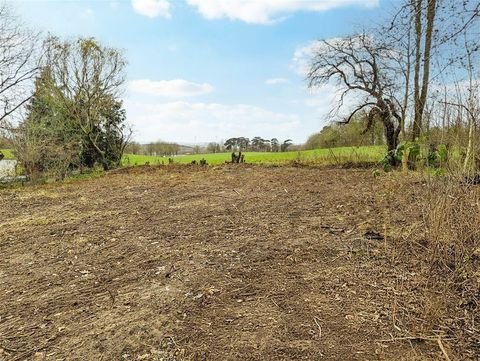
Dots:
pixel 226 263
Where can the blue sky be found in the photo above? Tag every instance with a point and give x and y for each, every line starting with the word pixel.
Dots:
pixel 207 70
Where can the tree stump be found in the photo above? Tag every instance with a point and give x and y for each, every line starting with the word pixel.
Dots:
pixel 238 158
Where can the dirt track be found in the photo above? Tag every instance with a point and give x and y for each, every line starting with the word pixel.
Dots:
pixel 229 263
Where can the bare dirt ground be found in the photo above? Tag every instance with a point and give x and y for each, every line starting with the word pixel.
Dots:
pixel 228 263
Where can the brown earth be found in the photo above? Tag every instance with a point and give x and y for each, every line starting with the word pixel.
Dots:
pixel 227 263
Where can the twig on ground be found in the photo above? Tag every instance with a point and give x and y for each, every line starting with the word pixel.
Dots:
pixel 406 338
pixel 440 344
pixel 315 319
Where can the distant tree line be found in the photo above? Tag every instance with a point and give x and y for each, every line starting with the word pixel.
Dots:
pixel 241 144
pixel 257 144
pixel 214 147
pixel 155 148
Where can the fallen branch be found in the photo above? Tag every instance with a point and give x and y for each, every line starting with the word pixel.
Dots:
pixel 440 344
pixel 411 338
pixel 315 319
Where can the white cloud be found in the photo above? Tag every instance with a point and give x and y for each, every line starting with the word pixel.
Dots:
pixel 324 100
pixel 455 89
pixel 303 56
pixel 202 122
pixel 169 88
pixel 267 11
pixel 277 81
pixel 152 8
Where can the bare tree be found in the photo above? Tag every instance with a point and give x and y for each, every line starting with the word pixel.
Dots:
pixel 367 70
pixel 473 106
pixel 468 102
pixel 18 65
pixel 473 112
pixel 435 28
pixel 422 62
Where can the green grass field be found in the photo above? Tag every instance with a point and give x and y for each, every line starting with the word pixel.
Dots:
pixel 8 153
pixel 323 156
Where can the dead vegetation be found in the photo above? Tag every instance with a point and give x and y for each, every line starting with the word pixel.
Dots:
pixel 452 265
pixel 239 263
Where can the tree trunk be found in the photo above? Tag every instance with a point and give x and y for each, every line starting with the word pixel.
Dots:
pixel 391 136
pixel 420 94
pixel 469 162
pixel 407 82
pixel 417 8
pixel 431 10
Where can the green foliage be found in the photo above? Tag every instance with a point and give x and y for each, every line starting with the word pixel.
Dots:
pixel 398 154
pixel 158 148
pixel 386 163
pixel 8 153
pixel 214 147
pixel 257 144
pixel 417 154
pixel 351 134
pixel 284 146
pixel 413 150
pixel 439 172
pixel 390 158
pixel 443 153
pixel 161 149
pixel 74 119
pixel 48 140
pixel 275 144
pixel 433 159
pixel 87 77
pixel 400 150
pixel 133 148
pixel 242 143
pixel 109 144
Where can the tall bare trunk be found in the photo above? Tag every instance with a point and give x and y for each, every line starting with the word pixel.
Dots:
pixel 431 10
pixel 417 8
pixel 407 82
pixel 469 164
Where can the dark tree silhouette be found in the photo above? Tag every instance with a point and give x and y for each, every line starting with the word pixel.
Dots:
pixel 285 145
